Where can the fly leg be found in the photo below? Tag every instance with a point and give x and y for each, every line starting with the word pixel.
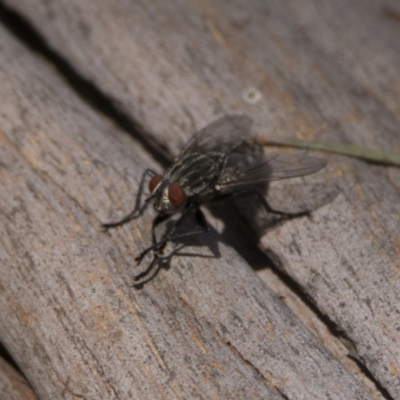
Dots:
pixel 174 231
pixel 156 246
pixel 138 209
pixel 173 234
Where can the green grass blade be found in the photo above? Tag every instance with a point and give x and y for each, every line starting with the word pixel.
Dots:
pixel 363 153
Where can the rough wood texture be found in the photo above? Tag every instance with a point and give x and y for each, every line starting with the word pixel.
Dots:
pixel 208 328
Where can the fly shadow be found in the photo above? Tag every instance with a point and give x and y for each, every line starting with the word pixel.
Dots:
pixel 246 218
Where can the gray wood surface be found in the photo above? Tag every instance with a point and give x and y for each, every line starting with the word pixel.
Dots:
pixel 206 327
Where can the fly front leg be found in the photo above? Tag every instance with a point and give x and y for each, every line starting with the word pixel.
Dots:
pixel 156 246
pixel 138 209
pixel 173 234
pixel 147 274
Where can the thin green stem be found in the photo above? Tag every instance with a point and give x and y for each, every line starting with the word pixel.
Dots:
pixel 363 153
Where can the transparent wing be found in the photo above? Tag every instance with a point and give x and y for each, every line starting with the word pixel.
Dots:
pixel 222 135
pixel 247 169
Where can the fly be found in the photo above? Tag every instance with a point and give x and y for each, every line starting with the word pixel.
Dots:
pixel 217 161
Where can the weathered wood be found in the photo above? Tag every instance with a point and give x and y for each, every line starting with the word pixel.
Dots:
pixel 207 328
pixel 329 71
pixel 13 386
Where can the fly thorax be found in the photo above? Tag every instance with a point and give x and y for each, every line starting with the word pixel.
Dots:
pixel 165 205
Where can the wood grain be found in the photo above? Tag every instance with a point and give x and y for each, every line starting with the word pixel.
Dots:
pixel 298 68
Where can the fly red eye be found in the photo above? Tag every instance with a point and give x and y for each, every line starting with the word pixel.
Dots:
pixel 154 181
pixel 176 195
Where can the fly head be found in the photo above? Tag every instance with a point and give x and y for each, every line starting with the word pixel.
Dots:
pixel 168 197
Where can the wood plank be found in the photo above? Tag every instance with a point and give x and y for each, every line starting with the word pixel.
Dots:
pixel 328 71
pixel 207 328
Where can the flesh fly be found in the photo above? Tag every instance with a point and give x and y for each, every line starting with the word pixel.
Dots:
pixel 219 160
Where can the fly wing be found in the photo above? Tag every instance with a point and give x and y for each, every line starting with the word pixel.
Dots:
pixel 222 135
pixel 243 170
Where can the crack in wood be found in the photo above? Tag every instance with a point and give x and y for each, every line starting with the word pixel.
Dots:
pixel 245 360
pixel 382 390
pixel 85 89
